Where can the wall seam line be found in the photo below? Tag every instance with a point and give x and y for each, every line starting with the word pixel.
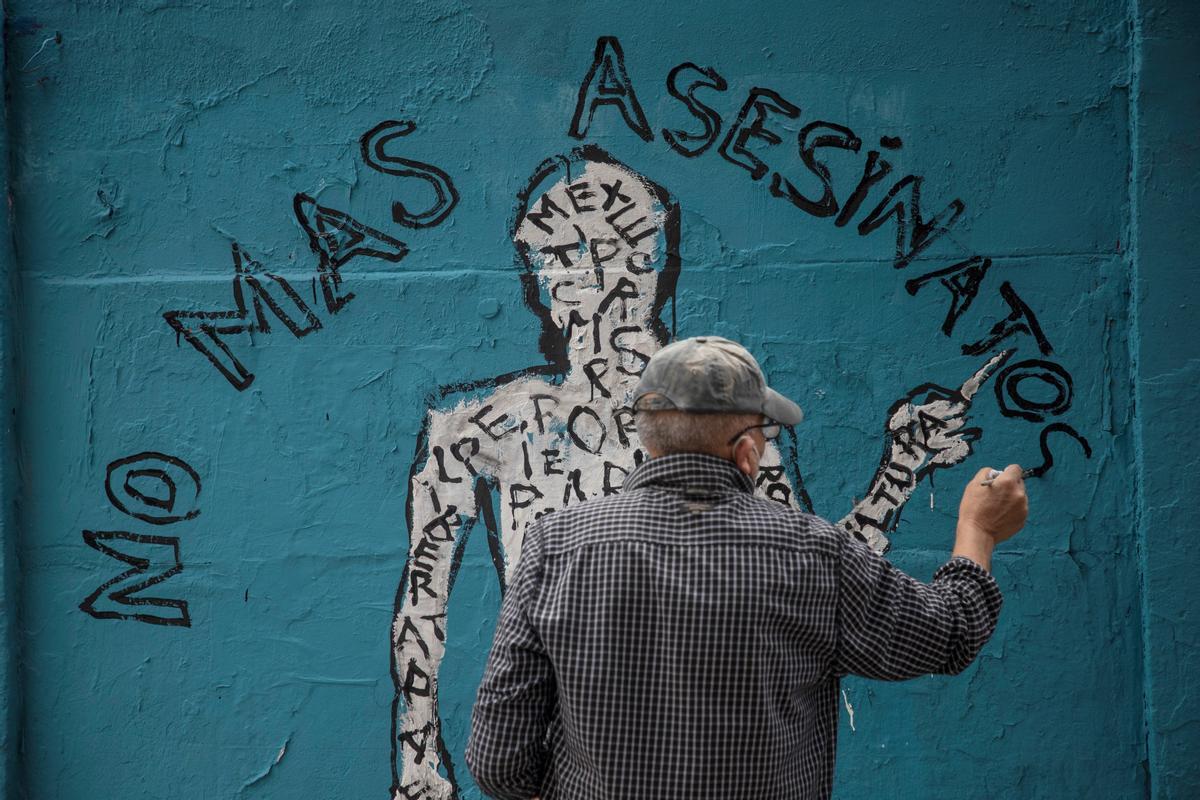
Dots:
pixel 1134 353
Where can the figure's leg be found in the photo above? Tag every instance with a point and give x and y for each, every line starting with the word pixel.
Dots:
pixel 438 514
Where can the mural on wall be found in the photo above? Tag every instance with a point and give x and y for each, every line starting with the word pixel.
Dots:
pixel 598 249
pixel 157 489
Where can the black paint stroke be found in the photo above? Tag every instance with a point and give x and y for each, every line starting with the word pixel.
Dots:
pixel 205 330
pixel 961 280
pixel 830 135
pixel 913 233
pixel 102 541
pixel 687 144
pixel 1014 404
pixel 1019 320
pixel 760 101
pixel 372 145
pixel 172 472
pixel 1047 456
pixel 612 87
pixel 334 238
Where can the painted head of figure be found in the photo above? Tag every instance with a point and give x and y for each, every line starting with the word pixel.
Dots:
pixel 599 246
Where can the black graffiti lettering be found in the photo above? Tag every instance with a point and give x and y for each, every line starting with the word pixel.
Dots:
pixel 610 488
pixel 929 426
pixel 573 485
pixel 419 581
pixel 552 460
pixel 416 681
pixel 260 295
pixel 607 83
pixel 773 482
pixel 613 193
pixel 913 233
pixel 372 146
pixel 1047 456
pixel 335 238
pixel 537 409
pixel 522 495
pixel 562 252
pixel 439 456
pixel 490 427
pixel 576 320
pixel 961 280
pixel 465 460
pixel 580 437
pixel 624 290
pixel 600 258
pixel 681 141
pixel 623 419
pixel 642 358
pixel 126 481
pixel 548 209
pixel 554 293
pixel 874 170
pixel 1020 320
pixel 1013 403
pixel 597 385
pixel 418 746
pixel 899 476
pixel 443 522
pixel 118 598
pixel 626 231
pixel 413 791
pixel 842 138
pixel 645 259
pixel 526 467
pixel 760 101
pixel 406 626
pixel 577 193
pixel 425 549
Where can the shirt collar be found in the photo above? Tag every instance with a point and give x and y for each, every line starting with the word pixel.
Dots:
pixel 691 472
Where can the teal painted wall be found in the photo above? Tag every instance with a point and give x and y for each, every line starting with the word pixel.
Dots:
pixel 234 637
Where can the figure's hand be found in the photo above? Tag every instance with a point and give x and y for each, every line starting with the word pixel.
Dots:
pixel 934 418
pixel 997 509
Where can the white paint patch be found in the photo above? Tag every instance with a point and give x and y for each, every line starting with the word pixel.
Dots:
pixel 849 709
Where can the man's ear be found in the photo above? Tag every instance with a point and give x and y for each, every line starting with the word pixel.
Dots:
pixel 746 455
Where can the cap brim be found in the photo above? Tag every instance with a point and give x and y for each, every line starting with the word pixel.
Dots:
pixel 780 409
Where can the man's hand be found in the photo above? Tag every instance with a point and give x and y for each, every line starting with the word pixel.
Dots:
pixel 990 513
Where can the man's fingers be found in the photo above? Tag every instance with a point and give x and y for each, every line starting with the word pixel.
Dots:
pixel 1015 471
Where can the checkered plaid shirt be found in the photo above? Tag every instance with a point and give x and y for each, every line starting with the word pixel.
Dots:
pixel 684 639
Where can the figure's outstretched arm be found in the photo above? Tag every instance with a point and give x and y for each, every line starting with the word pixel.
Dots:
pixel 443 498
pixel 925 431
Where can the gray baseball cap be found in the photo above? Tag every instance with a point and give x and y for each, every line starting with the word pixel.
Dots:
pixel 710 374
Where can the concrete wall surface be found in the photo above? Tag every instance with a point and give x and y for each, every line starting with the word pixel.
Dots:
pixel 312 307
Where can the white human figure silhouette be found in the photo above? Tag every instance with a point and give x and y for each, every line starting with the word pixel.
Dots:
pixel 599 247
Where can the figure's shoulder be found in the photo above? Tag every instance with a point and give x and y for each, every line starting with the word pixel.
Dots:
pixel 797 529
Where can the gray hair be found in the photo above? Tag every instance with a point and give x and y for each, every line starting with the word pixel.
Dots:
pixel 664 432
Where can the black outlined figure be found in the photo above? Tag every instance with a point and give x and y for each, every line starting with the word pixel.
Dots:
pixel 924 432
pixel 163 489
pixel 374 155
pixel 598 249
pixel 118 597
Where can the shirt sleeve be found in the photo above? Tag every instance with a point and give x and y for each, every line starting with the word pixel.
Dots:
pixel 506 751
pixel 892 627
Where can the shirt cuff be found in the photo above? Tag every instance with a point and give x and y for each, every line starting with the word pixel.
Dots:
pixel 960 568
